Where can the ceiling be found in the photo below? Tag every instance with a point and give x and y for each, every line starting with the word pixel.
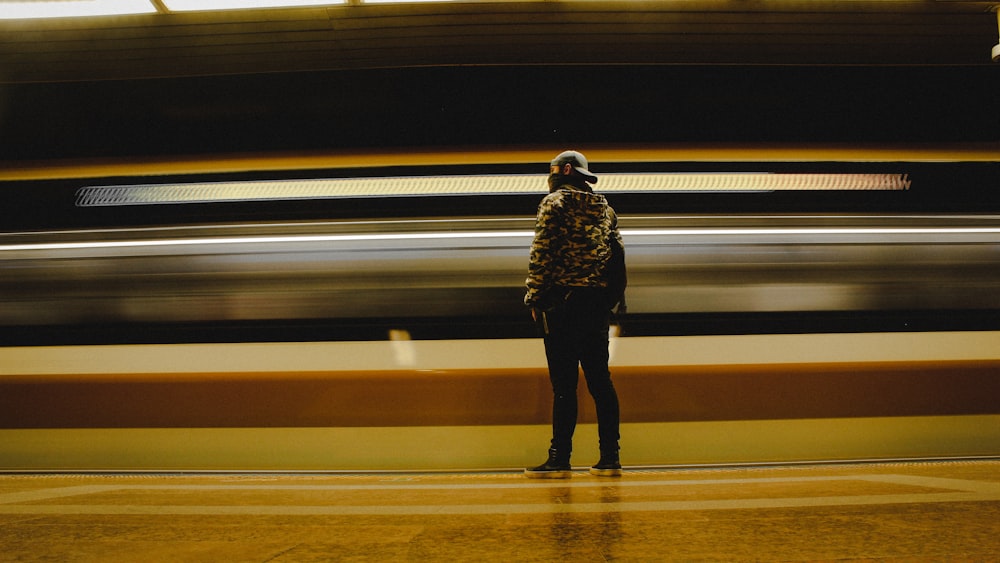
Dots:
pixel 412 79
pixel 359 36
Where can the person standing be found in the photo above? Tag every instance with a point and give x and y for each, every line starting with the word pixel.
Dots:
pixel 571 290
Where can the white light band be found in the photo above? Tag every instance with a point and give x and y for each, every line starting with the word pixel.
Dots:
pixel 525 235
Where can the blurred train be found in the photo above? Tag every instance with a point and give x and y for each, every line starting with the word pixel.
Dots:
pixel 250 323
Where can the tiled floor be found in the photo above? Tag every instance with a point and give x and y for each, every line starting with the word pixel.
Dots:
pixel 934 511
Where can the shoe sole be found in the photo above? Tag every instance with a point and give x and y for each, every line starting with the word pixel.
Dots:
pixel 548 474
pixel 606 472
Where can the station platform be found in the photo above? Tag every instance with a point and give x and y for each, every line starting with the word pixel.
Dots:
pixel 890 511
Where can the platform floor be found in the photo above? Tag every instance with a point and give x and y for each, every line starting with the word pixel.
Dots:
pixel 912 511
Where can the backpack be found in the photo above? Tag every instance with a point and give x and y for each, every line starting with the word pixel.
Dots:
pixel 616 276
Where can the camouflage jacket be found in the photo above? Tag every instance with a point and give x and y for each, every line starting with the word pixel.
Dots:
pixel 571 246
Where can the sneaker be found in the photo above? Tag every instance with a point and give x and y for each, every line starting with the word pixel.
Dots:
pixel 607 467
pixel 553 468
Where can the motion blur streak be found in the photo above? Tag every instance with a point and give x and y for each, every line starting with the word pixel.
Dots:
pixel 445 269
pixel 259 240
pixel 495 234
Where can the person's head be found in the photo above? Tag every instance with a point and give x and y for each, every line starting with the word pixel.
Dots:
pixel 570 167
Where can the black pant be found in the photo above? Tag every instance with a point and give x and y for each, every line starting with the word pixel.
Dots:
pixel 578 337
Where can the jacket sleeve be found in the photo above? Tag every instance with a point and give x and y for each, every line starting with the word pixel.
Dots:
pixel 539 274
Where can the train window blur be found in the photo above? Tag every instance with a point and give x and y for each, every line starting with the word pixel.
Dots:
pixel 463 277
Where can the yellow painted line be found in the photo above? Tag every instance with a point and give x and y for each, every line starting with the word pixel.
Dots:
pixel 523 483
pixel 962 485
pixel 515 508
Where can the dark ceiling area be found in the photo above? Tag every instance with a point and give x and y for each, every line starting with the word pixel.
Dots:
pixel 417 34
pixel 500 106
pixel 499 74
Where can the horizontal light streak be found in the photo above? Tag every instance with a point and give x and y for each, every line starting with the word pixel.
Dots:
pixel 405 1
pixel 499 184
pixel 372 237
pixel 817 231
pixel 214 192
pixel 260 240
pixel 73 8
pixel 40 9
pixel 208 5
